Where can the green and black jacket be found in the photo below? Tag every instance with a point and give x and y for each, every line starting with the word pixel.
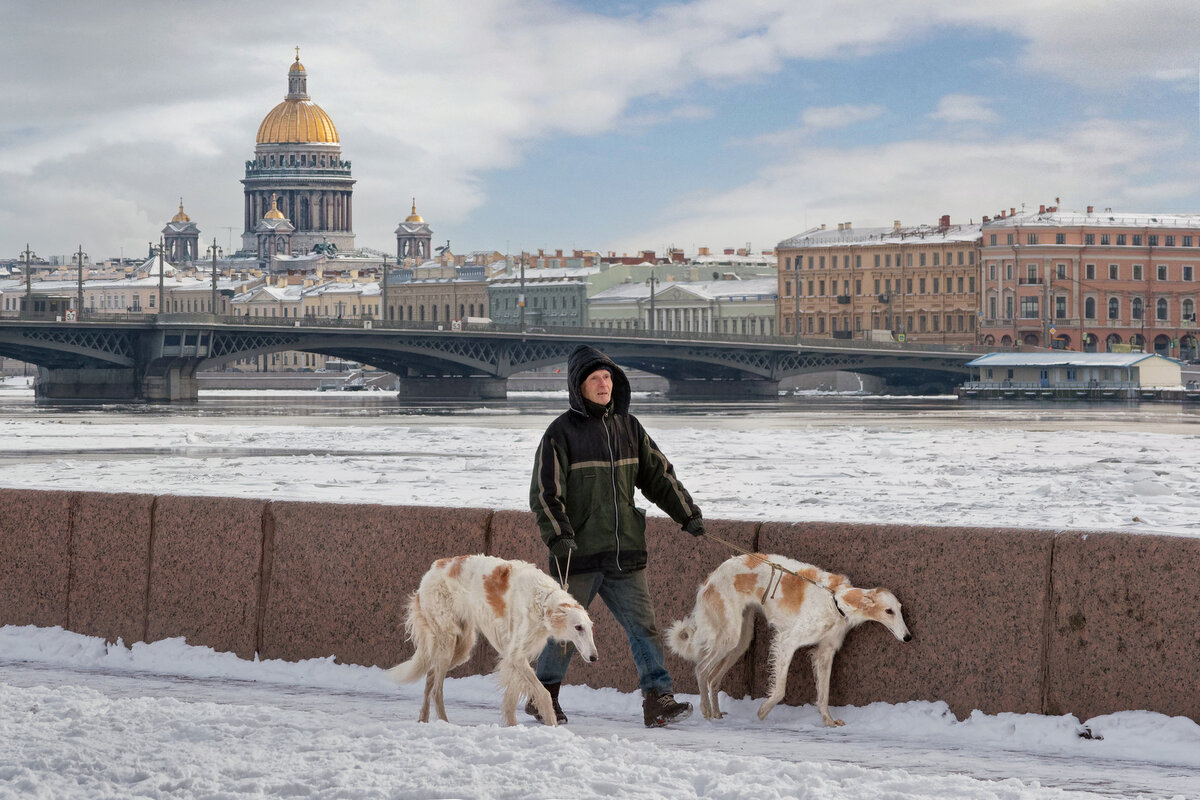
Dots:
pixel 589 462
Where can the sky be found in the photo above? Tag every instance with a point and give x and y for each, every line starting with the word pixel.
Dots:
pixel 615 126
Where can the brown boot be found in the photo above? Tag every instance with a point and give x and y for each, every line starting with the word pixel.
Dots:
pixel 662 709
pixel 559 716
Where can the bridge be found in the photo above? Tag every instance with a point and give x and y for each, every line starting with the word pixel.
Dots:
pixel 156 357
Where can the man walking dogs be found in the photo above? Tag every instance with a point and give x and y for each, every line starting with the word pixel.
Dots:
pixel 588 463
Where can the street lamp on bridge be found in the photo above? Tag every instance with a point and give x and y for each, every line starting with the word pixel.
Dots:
pixel 216 252
pixel 29 255
pixel 158 249
pixel 79 258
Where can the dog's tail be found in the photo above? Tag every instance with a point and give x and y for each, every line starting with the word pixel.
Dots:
pixel 421 634
pixel 681 638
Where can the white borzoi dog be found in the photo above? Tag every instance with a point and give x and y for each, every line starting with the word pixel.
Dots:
pixel 516 607
pixel 718 631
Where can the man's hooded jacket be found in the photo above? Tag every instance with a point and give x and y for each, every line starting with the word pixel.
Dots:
pixel 589 462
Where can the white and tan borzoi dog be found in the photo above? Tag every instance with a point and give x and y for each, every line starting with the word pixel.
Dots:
pixel 718 631
pixel 516 607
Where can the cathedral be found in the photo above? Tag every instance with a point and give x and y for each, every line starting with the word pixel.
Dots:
pixel 298 173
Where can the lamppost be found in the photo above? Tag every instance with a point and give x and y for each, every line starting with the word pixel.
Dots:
pixel 78 259
pixel 653 283
pixel 29 254
pixel 383 289
pixel 216 252
pixel 158 249
pixel 521 294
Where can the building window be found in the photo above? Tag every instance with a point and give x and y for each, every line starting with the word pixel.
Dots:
pixel 1169 241
pixel 1089 272
pixel 1029 307
pixel 1008 270
pixel 1060 238
pixel 1160 309
pixel 922 259
pixel 1113 272
pixel 1031 238
pixel 1152 240
pixel 1162 272
pixel 1104 239
pixel 992 240
pixel 1136 308
pixel 1121 239
pixel 1060 307
pixel 1137 272
pixel 877 260
pixel 1137 240
pixel 1089 308
pixel 1189 311
pixel 1009 238
pixel 992 271
pixel 922 285
pixel 1062 271
pixel 1089 238
pixel 1187 272
pixel 1114 308
pixel 1187 241
pixel 960 285
pixel 935 285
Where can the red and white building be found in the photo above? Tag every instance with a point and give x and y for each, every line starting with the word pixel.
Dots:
pixel 1099 281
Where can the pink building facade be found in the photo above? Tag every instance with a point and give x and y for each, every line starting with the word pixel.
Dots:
pixel 1094 282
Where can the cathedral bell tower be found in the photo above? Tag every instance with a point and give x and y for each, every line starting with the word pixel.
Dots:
pixel 413 239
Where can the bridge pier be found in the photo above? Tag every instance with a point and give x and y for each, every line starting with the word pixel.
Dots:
pixel 86 384
pixel 177 384
pixel 452 388
pixel 736 389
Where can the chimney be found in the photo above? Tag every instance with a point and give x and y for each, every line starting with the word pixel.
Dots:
pixel 895 225
pixel 822 226
pixel 1042 209
pixel 1091 209
pixel 841 226
pixel 944 222
pixel 986 219
pixel 1012 212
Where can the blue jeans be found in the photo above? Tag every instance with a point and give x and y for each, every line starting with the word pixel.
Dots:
pixel 628 598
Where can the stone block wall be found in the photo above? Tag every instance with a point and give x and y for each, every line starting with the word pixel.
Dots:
pixel 1002 620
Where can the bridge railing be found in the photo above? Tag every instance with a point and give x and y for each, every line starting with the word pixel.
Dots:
pixel 368 323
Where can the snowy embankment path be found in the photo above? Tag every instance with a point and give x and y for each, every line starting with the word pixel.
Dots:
pixel 82 720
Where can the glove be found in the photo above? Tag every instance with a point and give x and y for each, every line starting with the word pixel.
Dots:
pixel 562 547
pixel 695 526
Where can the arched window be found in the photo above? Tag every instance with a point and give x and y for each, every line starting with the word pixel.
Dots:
pixel 1160 309
pixel 1114 308
pixel 1189 311
pixel 1137 308
pixel 1089 308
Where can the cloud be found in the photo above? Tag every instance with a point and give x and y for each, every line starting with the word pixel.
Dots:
pixel 961 108
pixel 1099 162
pixel 97 144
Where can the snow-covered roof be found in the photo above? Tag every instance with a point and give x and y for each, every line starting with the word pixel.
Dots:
pixel 861 237
pixel 1103 219
pixel 1064 358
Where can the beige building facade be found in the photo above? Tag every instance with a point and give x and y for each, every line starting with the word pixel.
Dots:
pixel 918 283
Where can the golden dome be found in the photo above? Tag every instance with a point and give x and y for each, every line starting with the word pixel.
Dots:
pixel 414 216
pixel 297 120
pixel 274 213
pixel 181 217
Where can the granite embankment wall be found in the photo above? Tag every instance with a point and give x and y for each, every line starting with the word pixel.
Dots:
pixel 1002 620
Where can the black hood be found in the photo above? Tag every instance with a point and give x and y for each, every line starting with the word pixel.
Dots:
pixel 585 360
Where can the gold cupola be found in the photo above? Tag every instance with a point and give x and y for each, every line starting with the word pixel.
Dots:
pixel 274 213
pixel 181 217
pixel 297 120
pixel 414 216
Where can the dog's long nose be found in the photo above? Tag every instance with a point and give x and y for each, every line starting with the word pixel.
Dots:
pixel 594 658
pixel 908 637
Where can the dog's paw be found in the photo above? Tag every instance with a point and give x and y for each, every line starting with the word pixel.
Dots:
pixel 831 722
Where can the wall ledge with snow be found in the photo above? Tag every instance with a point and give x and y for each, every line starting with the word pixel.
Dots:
pixel 1027 621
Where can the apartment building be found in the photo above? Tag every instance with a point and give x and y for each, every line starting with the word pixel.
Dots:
pixel 920 283
pixel 1099 281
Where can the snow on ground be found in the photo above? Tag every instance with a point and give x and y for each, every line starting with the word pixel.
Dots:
pixel 82 719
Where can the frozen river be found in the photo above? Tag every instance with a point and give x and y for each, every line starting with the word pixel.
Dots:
pixel 808 458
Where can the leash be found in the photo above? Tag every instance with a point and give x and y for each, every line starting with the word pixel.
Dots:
pixel 777 571
pixel 562 579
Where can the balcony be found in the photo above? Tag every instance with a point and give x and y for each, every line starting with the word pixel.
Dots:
pixel 843 299
pixel 1029 281
pixel 885 298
